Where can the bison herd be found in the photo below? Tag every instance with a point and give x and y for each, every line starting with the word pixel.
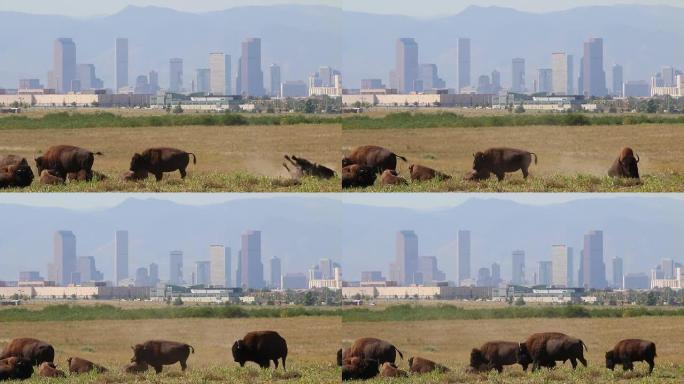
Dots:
pixel 362 167
pixel 370 357
pixel 20 356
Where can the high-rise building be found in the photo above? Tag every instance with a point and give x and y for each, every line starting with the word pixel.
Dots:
pixel 668 76
pixel 202 273
pixel 176 75
pixel 326 268
pixel 250 79
pixel 251 267
pixel 618 272
pixel 618 81
pixel 407 256
pixel 86 76
pixel 325 74
pixel 30 276
pixel 220 69
pixel 30 84
pixel 120 256
pixel 87 269
pixel 496 274
pixel 463 63
pixel 142 277
pixel 496 80
pixel 64 69
pixel 518 272
pixel 176 267
pixel 276 272
pixel 463 255
pixel 545 273
pixel 429 75
pixel 154 274
pixel 203 81
pixel 484 277
pixel 154 81
pixel 592 74
pixel 429 270
pixel 563 266
pixel 406 70
pixel 294 281
pixel 668 268
pixel 594 268
pixel 274 70
pixel 545 80
pixel 562 72
pixel 636 281
pixel 518 75
pixel 220 266
pixel 64 263
pixel 371 276
pixel 121 53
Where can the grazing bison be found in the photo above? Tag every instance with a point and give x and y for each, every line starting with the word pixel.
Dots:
pixel 33 350
pixel 377 158
pixel 357 176
pixel 13 368
pixel 136 367
pixel 304 167
pixel 360 369
pixel 342 355
pixel 500 161
pixel 158 353
pixel 625 165
pixel 496 354
pixel 78 365
pixel 47 177
pixel 390 177
pixel 159 160
pixel 423 173
pixel 421 365
pixel 64 159
pixel 15 172
pixel 391 370
pixel 49 370
pixel 376 349
pixel 626 352
pixel 261 347
pixel 544 349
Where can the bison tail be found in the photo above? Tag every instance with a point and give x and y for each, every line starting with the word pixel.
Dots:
pixel 535 157
pixel 585 346
pixel 191 348
pixel 98 153
pixel 399 352
pixel 194 158
pixel 401 157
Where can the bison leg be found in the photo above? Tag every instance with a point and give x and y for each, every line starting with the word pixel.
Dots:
pixel 265 364
pixel 499 368
pixel 158 368
pixel 651 364
pixel 285 369
pixel 184 365
pixel 583 360
pixel 275 362
pixel 500 176
pixel 183 173
pixel 525 172
pixel 158 175
pixel 535 365
pixel 573 361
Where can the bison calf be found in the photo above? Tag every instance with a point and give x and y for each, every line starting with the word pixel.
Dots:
pixel 48 178
pixel 15 172
pixel 34 350
pixel 375 349
pixel 158 353
pixel 626 352
pixel 497 354
pixel 500 161
pixel 626 165
pixel 303 167
pixel 260 347
pixel 390 177
pixel 423 173
pixel 50 370
pixel 357 176
pixel 360 369
pixel 159 160
pixel 78 365
pixel 421 365
pixel 136 367
pixel 391 370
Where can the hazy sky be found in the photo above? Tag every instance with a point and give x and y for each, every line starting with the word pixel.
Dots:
pixel 424 8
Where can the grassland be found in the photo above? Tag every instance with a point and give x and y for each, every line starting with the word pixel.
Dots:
pixel 312 343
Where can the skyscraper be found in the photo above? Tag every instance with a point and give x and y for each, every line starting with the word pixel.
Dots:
pixel 274 70
pixel 220 266
pixel 87 78
pixel 326 268
pixel 87 269
pixel 668 268
pixel 120 256
pixel 154 274
pixel 618 80
pixel 496 81
pixel 668 76
pixel 203 81
pixel 463 63
pixel 563 266
pixel 518 272
pixel 562 71
pixel 251 267
pixel 176 267
pixel 175 75
pixel 276 272
pixel 463 255
pixel 202 272
pixel 496 274
pixel 121 52
pixel 594 268
pixel 407 256
pixel 618 272
pixel 64 69
pixel 429 75
pixel 154 81
pixel 406 70
pixel 250 79
pixel 545 80
pixel 544 273
pixel 518 75
pixel 64 257
pixel 220 68
pixel 593 77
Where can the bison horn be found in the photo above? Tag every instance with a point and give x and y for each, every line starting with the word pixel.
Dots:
pixel 473 155
pixel 637 158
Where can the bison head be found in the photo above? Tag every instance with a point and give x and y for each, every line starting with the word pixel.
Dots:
pixel 23 176
pixel 629 166
pixel 138 163
pixel 610 360
pixel 346 161
pixel 40 164
pixel 240 352
pixel 480 162
pixel 524 356
pixel 477 358
pixel 139 351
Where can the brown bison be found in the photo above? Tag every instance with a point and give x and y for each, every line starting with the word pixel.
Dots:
pixel 15 172
pixel 136 367
pixel 49 370
pixel 303 167
pixel 496 354
pixel 423 173
pixel 159 160
pixel 376 349
pixel 391 370
pixel 377 158
pixel 260 347
pixel 357 176
pixel 157 353
pixel 342 355
pixel 48 177
pixel 390 177
pixel 625 165
pixel 13 368
pixel 357 368
pixel 33 350
pixel 544 349
pixel 421 365
pixel 626 352
pixel 79 365
pixel 500 161
pixel 64 159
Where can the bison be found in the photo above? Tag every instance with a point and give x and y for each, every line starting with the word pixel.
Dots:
pixel 500 161
pixel 373 156
pixel 391 370
pixel 423 173
pixel 49 370
pixel 15 368
pixel 158 353
pixel 496 354
pixel 342 355
pixel 159 160
pixel 48 177
pixel 357 176
pixel 303 167
pixel 134 176
pixel 79 365
pixel 421 365
pixel 360 369
pixel 33 350
pixel 544 349
pixel 64 159
pixel 134 367
pixel 376 349
pixel 390 177
pixel 15 172
pixel 625 165
pixel 626 352
pixel 260 347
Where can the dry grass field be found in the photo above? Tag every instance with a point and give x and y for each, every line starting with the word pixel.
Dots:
pixel 312 343
pixel 450 342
